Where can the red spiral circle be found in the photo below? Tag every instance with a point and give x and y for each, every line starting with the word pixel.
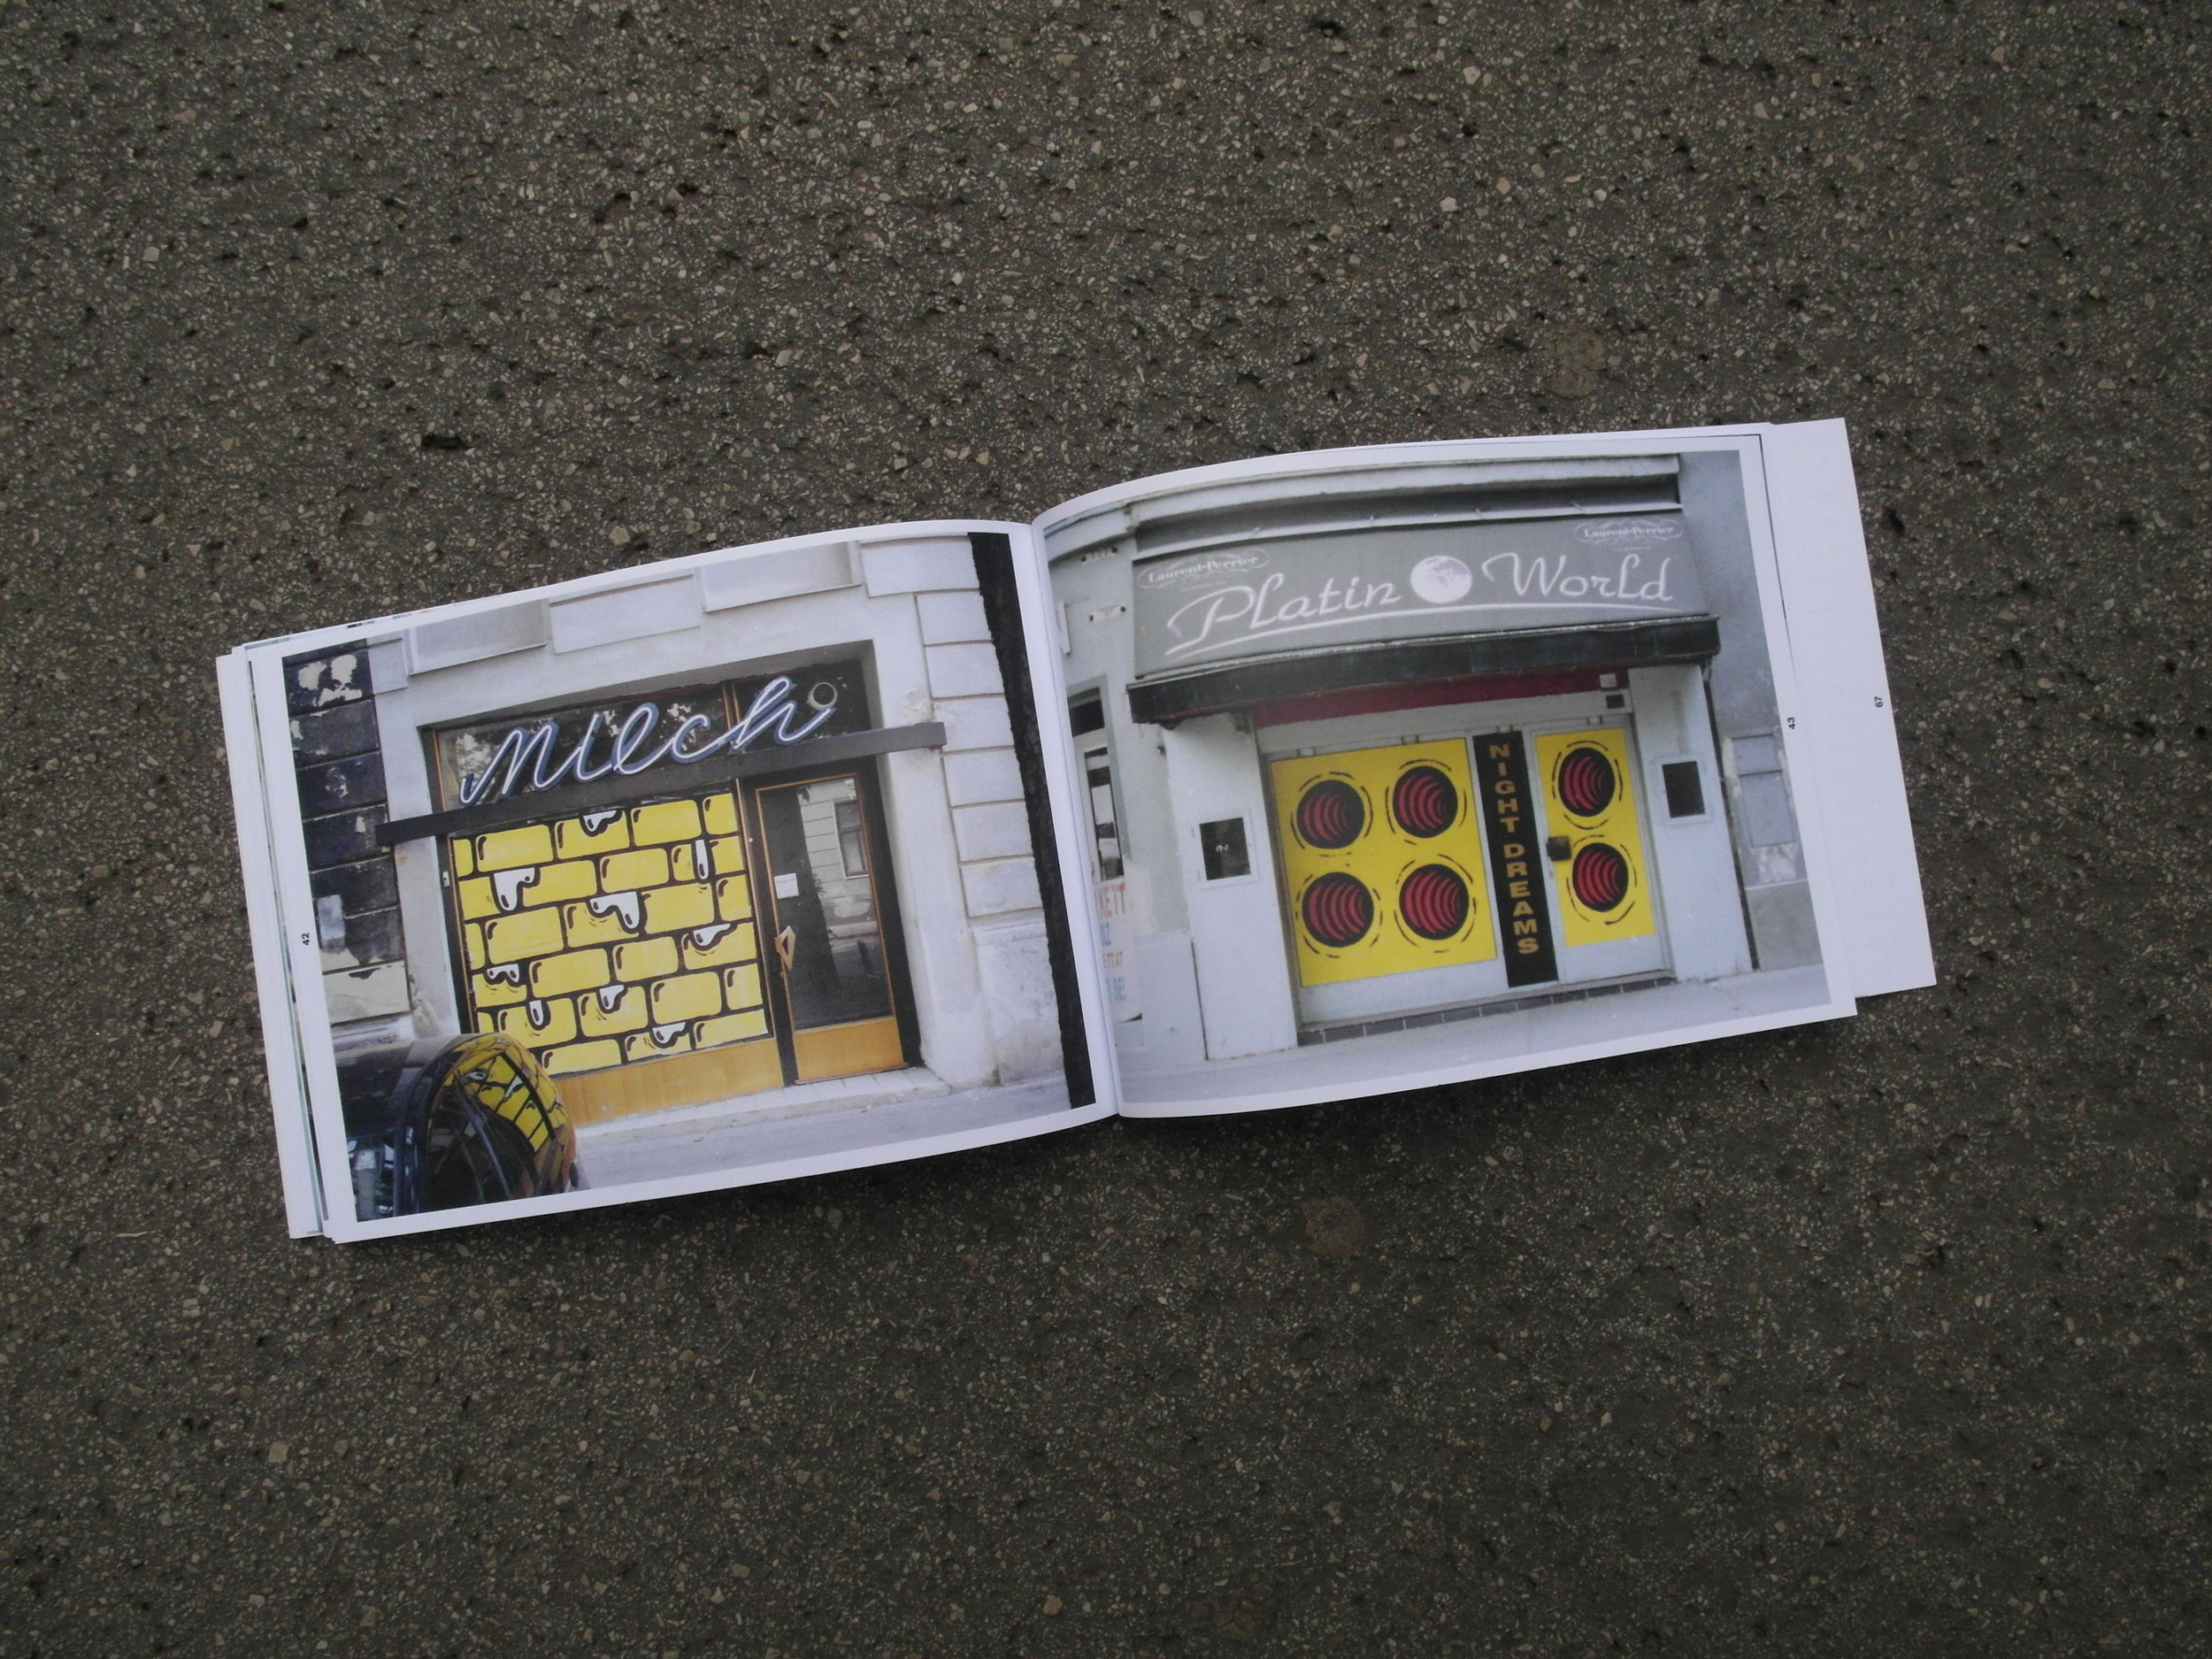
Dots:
pixel 1330 815
pixel 1423 802
pixel 1586 781
pixel 1599 876
pixel 1433 901
pixel 1338 909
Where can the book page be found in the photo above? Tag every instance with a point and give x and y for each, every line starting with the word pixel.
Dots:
pixel 1828 594
pixel 1415 764
pixel 716 871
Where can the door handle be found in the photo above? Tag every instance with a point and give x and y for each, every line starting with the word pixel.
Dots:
pixel 787 944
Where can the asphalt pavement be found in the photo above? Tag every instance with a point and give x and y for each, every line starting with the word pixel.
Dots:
pixel 1885 1336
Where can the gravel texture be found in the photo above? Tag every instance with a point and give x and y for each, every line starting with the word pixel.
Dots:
pixel 1889 1338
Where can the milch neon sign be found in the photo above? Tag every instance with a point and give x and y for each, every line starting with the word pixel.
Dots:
pixel 526 752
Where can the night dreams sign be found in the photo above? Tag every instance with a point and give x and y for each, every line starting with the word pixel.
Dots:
pixel 529 757
pixel 1367 586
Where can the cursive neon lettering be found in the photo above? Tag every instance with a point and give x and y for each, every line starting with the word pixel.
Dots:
pixel 675 747
pixel 631 738
pixel 524 756
pixel 518 749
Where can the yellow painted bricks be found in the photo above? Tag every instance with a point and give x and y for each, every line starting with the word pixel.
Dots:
pixel 624 873
pixel 486 993
pixel 670 907
pixel 741 986
pixel 649 1045
pixel 664 821
pixel 583 1056
pixel 584 928
pixel 620 1009
pixel 732 899
pixel 573 879
pixel 540 1023
pixel 728 944
pixel 575 838
pixel 613 936
pixel 526 885
pixel 687 996
pixel 571 970
pixel 508 849
pixel 524 934
pixel 647 959
pixel 731 1028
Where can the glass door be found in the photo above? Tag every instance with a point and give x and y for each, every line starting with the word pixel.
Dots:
pixel 830 939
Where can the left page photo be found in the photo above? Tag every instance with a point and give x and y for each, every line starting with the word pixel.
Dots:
pixel 724 870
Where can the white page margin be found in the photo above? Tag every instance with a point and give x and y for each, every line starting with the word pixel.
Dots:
pixel 1828 596
pixel 293 920
pixel 279 1036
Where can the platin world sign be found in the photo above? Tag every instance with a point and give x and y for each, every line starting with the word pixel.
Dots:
pixel 1360 587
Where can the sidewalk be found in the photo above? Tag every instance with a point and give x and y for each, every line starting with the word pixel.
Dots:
pixel 1497 1042
pixel 844 1115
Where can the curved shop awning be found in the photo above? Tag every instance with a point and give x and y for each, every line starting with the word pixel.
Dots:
pixel 1165 698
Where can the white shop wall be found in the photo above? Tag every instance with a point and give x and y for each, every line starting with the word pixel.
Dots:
pixel 1769 855
pixel 1093 591
pixel 1236 925
pixel 1692 864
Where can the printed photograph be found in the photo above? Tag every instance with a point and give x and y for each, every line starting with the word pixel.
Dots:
pixel 734 865
pixel 1427 762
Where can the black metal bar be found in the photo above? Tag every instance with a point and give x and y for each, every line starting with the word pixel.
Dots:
pixel 587 797
pixel 1000 591
pixel 1237 685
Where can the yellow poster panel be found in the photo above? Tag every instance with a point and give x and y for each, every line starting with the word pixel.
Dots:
pixel 615 936
pixel 1590 800
pixel 1383 860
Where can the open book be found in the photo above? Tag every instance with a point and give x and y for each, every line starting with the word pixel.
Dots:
pixel 1259 785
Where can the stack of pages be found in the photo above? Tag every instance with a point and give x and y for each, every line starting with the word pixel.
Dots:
pixel 1260 785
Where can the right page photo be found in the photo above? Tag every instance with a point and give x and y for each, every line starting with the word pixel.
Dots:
pixel 1410 764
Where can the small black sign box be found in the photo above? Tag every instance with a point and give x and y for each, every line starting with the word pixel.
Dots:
pixel 1517 868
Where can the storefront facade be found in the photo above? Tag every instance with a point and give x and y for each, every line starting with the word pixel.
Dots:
pixel 1433 741
pixel 750 826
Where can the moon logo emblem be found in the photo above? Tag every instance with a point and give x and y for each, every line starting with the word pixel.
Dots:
pixel 1443 580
